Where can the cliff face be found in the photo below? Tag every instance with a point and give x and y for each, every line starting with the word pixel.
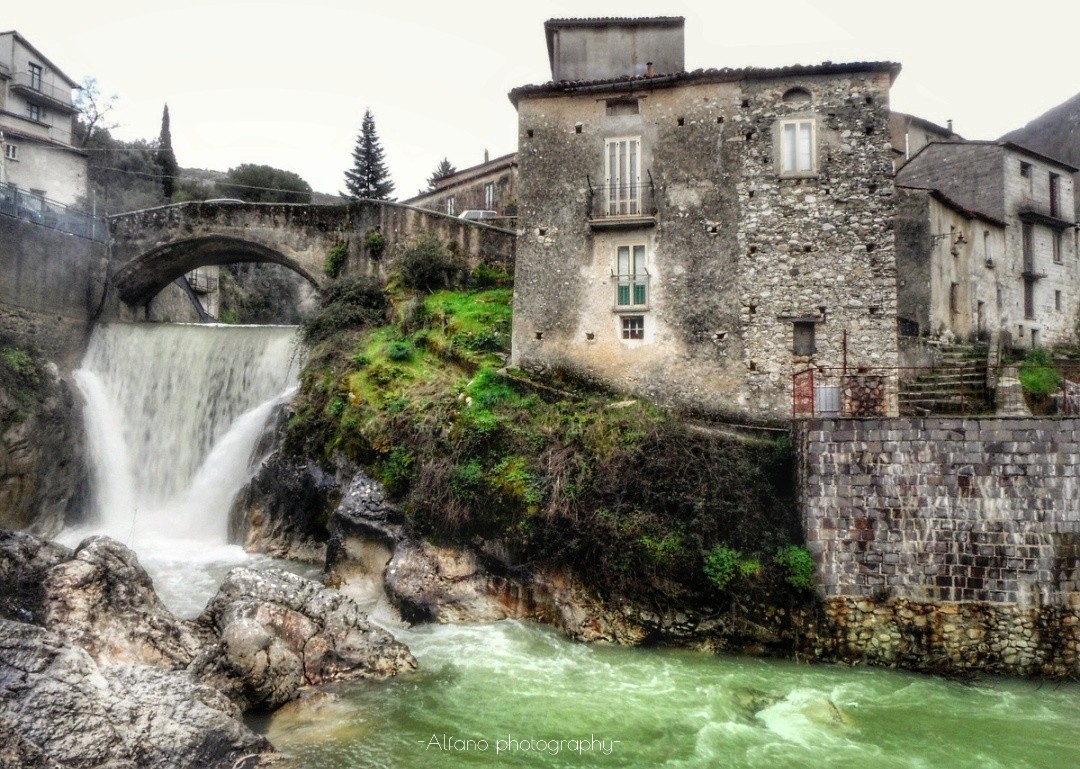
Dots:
pixel 42 474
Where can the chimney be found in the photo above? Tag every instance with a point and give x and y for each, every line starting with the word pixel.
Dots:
pixel 949 125
pixel 486 152
pixel 649 70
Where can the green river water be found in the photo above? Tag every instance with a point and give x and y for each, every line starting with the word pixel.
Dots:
pixel 522 695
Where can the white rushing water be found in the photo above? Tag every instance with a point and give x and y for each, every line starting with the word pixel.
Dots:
pixel 173 415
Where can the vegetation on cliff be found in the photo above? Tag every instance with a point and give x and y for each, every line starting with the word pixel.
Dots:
pixel 411 384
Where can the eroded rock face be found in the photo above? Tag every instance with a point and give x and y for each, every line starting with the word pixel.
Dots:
pixel 41 470
pixel 97 597
pixel 279 631
pixel 59 707
pixel 428 582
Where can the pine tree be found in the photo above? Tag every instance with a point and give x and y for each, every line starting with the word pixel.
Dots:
pixel 166 158
pixel 368 177
pixel 441 171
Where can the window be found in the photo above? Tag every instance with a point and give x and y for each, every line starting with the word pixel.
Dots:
pixel 1055 194
pixel 797 147
pixel 1029 299
pixel 633 327
pixel 489 196
pixel 631 277
pixel 34 112
pixel 11 151
pixel 804 341
pixel 954 298
pixel 1029 247
pixel 35 76
pixel 622 176
pixel 1025 170
pixel 1055 239
pixel 1057 301
pixel 451 205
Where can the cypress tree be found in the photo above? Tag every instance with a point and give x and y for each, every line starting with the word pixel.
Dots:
pixel 368 177
pixel 166 158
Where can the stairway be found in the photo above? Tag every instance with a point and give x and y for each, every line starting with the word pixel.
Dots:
pixel 957 385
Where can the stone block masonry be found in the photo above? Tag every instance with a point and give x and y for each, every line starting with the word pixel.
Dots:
pixel 945 543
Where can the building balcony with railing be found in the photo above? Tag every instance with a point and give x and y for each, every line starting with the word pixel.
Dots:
pixel 622 205
pixel 32 87
pixel 21 204
pixel 631 292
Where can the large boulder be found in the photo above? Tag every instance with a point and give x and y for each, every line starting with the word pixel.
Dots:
pixel 279 631
pixel 58 707
pixel 97 596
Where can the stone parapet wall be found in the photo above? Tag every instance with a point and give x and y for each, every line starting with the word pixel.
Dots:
pixel 943 509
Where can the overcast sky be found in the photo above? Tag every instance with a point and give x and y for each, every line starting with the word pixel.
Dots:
pixel 286 83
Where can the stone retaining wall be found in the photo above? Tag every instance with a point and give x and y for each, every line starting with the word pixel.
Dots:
pixel 945 543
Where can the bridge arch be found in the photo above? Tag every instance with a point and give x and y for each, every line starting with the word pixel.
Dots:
pixel 144 276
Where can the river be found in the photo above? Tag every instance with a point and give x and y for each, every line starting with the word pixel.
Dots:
pixel 174 415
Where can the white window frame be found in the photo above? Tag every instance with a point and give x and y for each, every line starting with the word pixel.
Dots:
pixel 489 196
pixel 631 276
pixel 451 206
pixel 11 151
pixel 793 158
pixel 632 327
pixel 622 176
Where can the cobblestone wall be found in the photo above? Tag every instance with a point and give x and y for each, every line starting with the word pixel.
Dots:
pixel 944 509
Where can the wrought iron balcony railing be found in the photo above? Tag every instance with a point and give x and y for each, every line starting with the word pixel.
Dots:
pixel 32 87
pixel 631 291
pixel 48 213
pixel 613 205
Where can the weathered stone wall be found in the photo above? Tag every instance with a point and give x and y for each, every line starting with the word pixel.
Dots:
pixel 951 541
pixel 944 509
pixel 737 251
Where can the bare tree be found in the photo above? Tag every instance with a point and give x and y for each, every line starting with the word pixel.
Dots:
pixel 94 108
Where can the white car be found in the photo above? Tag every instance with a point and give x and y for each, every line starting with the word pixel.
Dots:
pixel 476 213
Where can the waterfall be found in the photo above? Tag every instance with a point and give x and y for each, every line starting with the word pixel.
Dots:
pixel 173 416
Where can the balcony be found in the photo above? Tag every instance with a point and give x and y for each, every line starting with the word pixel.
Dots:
pixel 32 88
pixel 613 206
pixel 1033 215
pixel 631 291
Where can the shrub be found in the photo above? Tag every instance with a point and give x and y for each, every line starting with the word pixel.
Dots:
pixel 798 566
pixel 721 565
pixel 400 351
pixel 425 265
pixel 343 304
pixel 375 243
pixel 335 259
pixel 1038 374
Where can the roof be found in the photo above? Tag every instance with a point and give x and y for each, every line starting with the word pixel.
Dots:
pixel 927 124
pixel 945 200
pixel 465 174
pixel 995 143
pixel 52 67
pixel 630 83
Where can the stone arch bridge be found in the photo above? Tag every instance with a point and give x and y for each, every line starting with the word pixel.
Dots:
pixel 151 248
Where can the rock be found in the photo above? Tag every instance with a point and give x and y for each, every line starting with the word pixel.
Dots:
pixel 97 596
pixel 42 473
pixel 280 631
pixel 283 510
pixel 58 707
pixel 104 601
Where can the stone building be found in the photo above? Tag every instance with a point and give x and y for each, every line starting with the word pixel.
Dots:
pixel 699 237
pixel 1021 282
pixel 910 133
pixel 946 261
pixel 490 186
pixel 36 119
